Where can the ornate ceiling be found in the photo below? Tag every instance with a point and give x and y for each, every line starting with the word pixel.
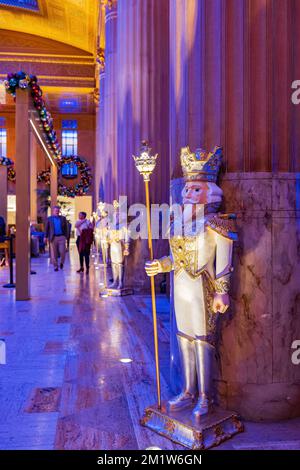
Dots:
pixel 59 45
pixel 73 22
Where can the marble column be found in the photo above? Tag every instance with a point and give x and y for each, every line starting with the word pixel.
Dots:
pixel 22 195
pixel 143 107
pixel 231 68
pixel 195 76
pixel 143 103
pixel 101 138
pixel 100 135
pixel 110 161
pixel 232 64
pixel 257 375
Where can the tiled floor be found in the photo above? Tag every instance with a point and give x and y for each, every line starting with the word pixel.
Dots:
pixel 64 386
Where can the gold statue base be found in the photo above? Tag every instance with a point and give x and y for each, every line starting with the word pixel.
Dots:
pixel 217 426
pixel 119 292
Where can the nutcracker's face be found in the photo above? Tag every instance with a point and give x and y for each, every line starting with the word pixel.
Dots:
pixel 195 192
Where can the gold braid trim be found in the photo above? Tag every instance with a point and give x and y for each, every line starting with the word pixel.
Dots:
pixel 224 225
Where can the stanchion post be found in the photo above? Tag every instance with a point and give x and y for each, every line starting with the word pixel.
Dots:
pixel 11 283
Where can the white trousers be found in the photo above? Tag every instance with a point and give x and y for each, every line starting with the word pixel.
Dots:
pixel 190 305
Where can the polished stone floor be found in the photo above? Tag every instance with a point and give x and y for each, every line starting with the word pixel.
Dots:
pixel 64 385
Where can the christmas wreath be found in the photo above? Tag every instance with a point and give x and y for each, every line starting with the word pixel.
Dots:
pixel 81 188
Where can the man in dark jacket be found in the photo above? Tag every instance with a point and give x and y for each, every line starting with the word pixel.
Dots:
pixel 57 232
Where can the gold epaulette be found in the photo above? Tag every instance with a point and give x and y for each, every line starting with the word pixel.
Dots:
pixel 224 224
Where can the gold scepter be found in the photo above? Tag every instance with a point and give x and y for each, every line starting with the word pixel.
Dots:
pixel 145 164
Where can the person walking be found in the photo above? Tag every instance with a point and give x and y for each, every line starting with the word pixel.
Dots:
pixel 56 233
pixel 84 232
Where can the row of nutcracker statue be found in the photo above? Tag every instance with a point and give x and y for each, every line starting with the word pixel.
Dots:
pixel 112 242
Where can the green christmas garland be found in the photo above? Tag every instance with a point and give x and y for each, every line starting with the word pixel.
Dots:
pixel 23 81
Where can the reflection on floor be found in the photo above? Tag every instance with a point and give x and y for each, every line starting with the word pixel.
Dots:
pixel 64 387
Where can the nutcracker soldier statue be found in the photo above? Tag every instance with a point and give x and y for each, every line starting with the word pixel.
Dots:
pixel 101 232
pixel 118 239
pixel 201 258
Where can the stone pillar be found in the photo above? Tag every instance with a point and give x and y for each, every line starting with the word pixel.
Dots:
pixel 195 76
pixel 33 178
pixel 110 104
pixel 258 377
pixel 143 104
pixel 231 72
pixel 3 192
pixel 100 135
pixel 100 143
pixel 22 196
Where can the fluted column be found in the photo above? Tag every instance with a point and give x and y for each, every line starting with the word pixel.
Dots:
pixel 232 64
pixel 99 105
pixel 110 105
pixel 143 110
pixel 100 131
pixel 231 67
pixel 195 76
pixel 100 125
pixel 143 103
pixel 294 48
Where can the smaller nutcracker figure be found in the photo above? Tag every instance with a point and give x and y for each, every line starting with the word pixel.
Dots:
pixel 101 232
pixel 118 239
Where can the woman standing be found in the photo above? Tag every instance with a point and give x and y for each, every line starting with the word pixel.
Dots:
pixel 84 233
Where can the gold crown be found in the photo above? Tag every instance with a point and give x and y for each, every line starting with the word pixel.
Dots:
pixel 201 165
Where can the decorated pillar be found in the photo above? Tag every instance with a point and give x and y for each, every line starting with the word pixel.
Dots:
pixel 33 178
pixel 143 98
pixel 22 195
pixel 101 139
